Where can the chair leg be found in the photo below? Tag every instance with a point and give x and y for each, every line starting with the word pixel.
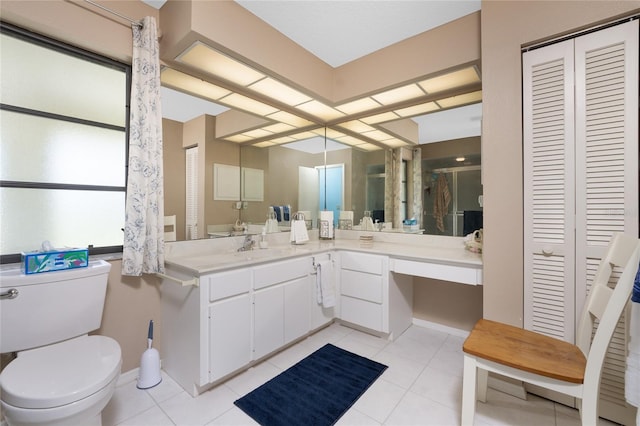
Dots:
pixel 469 388
pixel 483 379
pixel 589 407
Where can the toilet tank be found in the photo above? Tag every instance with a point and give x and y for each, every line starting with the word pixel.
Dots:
pixel 50 307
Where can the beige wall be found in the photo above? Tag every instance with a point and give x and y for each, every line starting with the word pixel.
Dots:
pixel 131 302
pixel 506 25
pixel 450 304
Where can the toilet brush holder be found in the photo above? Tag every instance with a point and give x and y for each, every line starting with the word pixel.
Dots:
pixel 149 373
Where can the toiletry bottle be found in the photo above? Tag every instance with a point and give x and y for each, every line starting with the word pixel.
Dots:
pixel 263 239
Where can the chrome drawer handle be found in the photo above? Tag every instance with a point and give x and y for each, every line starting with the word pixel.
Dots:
pixel 11 294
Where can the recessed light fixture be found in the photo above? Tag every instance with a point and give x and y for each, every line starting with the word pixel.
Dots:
pixel 460 159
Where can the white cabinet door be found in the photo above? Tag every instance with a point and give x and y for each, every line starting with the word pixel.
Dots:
pixel 296 309
pixel 268 314
pixel 229 335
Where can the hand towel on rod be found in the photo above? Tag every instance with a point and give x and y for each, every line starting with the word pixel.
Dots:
pixel 325 293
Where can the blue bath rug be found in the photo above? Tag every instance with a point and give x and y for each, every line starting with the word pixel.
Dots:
pixel 316 391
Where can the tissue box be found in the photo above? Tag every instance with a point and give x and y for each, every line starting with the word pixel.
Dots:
pixel 36 262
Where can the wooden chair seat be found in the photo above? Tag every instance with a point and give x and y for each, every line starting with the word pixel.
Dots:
pixel 526 350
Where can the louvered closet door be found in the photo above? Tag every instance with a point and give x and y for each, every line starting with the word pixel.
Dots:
pixel 548 190
pixel 606 174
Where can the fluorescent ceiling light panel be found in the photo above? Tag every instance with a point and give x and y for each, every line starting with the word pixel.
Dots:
pixel 281 140
pixel 206 59
pixel 304 135
pixel 368 147
pixel 247 104
pixel 395 143
pixel 320 110
pixel 192 85
pixel 380 118
pixel 288 118
pixel 257 133
pixel 451 80
pixel 357 106
pixel 466 98
pixel 238 138
pixel 377 135
pixel 278 91
pixel 279 128
pixel 417 109
pixel 330 133
pixel 350 140
pixel 263 144
pixel 356 126
pixel 400 94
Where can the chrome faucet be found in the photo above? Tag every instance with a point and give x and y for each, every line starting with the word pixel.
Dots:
pixel 247 244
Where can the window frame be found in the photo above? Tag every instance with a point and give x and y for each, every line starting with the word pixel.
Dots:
pixel 68 49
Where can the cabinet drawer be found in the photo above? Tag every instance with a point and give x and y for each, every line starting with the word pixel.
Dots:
pixel 227 284
pixel 280 272
pixel 363 262
pixel 361 312
pixel 361 285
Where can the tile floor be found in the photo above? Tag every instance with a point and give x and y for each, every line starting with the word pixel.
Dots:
pixel 422 386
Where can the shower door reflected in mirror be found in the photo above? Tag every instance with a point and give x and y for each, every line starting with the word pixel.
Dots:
pixel 464 210
pixel 375 191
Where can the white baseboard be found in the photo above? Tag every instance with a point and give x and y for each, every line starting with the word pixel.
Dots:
pixel 444 328
pixel 128 377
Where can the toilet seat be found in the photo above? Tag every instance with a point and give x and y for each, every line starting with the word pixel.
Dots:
pixel 62 373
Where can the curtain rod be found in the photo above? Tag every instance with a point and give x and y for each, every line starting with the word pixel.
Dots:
pixel 113 12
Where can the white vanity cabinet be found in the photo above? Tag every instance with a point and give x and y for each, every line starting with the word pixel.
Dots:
pixel 206 330
pixel 280 304
pixel 373 298
pixel 229 321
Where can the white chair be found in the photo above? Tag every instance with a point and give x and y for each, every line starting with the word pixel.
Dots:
pixel 551 363
pixel 170 223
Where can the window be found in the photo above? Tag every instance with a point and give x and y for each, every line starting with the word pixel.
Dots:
pixel 63 150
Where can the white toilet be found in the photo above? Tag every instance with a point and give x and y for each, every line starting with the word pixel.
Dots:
pixel 61 376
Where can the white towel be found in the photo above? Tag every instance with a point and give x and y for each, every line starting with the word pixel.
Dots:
pixel 367 224
pixel 324 285
pixel 632 373
pixel 298 233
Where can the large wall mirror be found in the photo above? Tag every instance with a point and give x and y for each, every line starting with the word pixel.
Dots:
pixel 388 185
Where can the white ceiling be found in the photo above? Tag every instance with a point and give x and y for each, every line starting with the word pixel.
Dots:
pixel 322 26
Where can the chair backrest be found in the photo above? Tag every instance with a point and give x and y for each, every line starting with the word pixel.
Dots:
pixel 605 304
pixel 170 222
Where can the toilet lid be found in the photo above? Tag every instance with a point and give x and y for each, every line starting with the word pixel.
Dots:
pixel 62 373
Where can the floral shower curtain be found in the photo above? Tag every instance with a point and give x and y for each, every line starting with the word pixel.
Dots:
pixel 143 248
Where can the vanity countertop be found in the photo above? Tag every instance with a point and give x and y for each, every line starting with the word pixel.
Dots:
pixel 448 251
